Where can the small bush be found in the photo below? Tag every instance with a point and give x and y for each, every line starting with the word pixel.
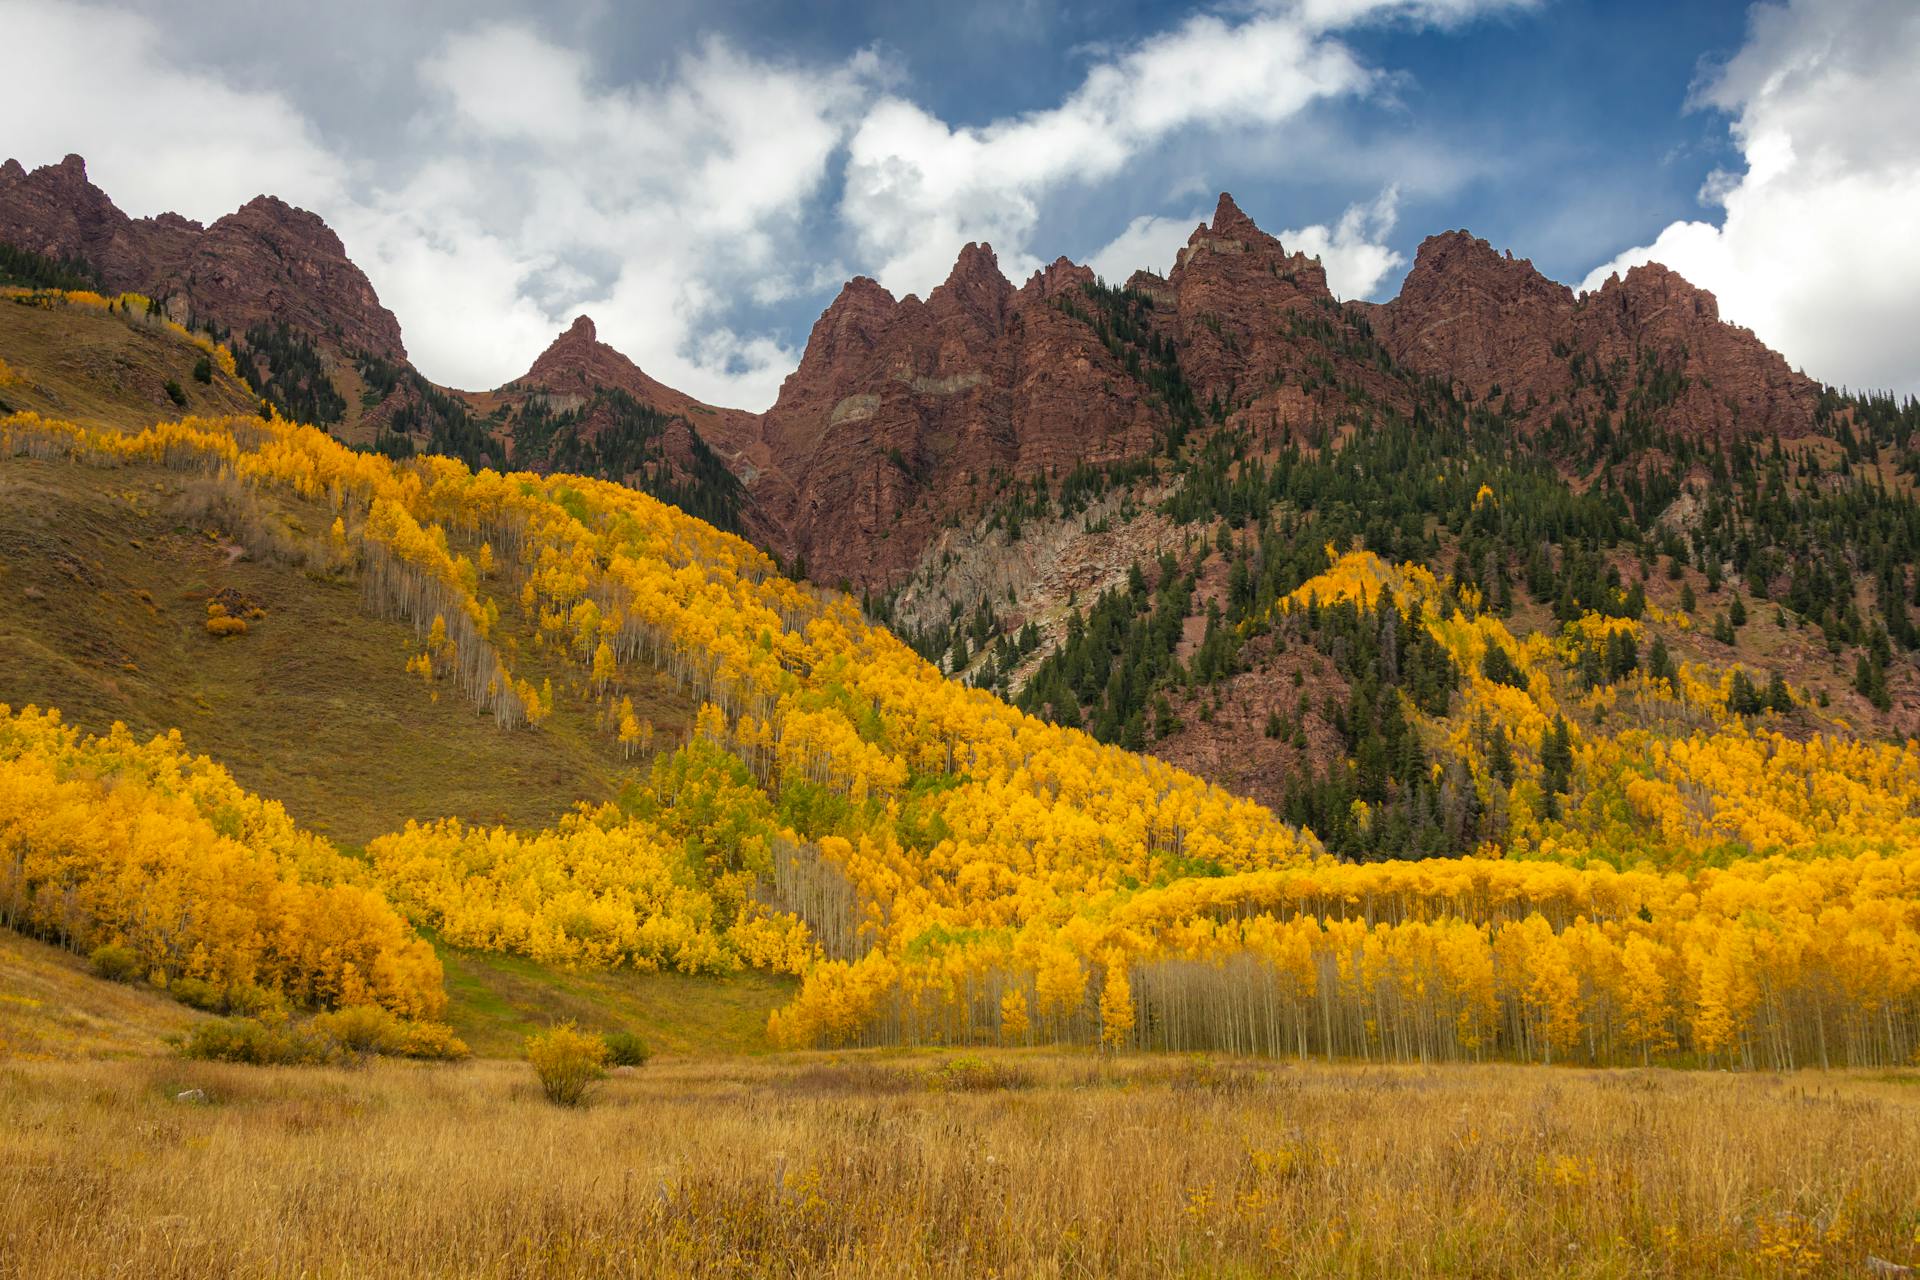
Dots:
pixel 567 1061
pixel 969 1074
pixel 222 626
pixel 247 1000
pixel 118 963
pixel 199 993
pixel 625 1049
pixel 359 1028
pixel 175 394
pixel 366 1028
pixel 339 1035
pixel 430 1040
pixel 258 1043
pixel 203 370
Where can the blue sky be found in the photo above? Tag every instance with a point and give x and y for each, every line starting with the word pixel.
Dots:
pixel 702 175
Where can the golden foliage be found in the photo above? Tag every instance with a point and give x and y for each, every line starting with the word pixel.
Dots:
pixel 109 840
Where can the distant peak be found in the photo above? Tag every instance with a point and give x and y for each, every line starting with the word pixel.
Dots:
pixel 582 329
pixel 12 169
pixel 1227 216
pixel 1061 274
pixel 73 164
pixel 976 262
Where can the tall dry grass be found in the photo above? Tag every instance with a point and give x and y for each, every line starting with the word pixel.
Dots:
pixel 895 1165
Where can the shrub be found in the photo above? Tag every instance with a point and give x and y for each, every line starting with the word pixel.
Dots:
pixel 276 1040
pixel 430 1040
pixel 249 1000
pixel 222 626
pixel 977 1074
pixel 197 992
pixel 175 394
pixel 257 1042
pixel 567 1061
pixel 203 370
pixel 118 963
pixel 625 1049
pixel 359 1028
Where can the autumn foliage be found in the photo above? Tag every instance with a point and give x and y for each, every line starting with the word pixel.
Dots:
pixel 1672 880
pixel 107 841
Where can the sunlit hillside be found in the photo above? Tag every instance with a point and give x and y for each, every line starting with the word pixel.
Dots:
pixel 771 783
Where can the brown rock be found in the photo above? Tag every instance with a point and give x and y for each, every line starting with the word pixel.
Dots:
pixel 265 262
pixel 903 413
pixel 1485 320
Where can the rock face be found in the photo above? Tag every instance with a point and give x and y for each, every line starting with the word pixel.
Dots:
pixel 907 416
pixel 904 412
pixel 267 261
pixel 1483 320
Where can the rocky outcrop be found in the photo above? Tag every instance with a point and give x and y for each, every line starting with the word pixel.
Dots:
pixel 577 363
pixel 904 413
pixel 1492 325
pixel 267 261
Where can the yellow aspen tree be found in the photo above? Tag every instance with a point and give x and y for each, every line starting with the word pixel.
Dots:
pixel 1014 1023
pixel 1116 1003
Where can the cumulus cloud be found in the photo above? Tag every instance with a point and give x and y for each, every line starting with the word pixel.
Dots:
pixel 154 135
pixel 916 188
pixel 1815 249
pixel 1148 244
pixel 514 186
pixel 1354 252
pixel 691 188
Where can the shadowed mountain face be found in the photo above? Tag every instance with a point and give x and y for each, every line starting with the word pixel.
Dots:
pixel 906 415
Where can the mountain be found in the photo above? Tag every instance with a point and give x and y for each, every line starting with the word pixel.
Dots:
pixel 904 414
pixel 584 407
pixel 1492 325
pixel 993 465
pixel 264 264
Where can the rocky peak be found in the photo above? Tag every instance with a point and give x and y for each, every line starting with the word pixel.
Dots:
pixel 975 289
pixel 847 330
pixel 1485 319
pixel 1456 261
pixel 1062 275
pixel 1231 222
pixel 12 170
pixel 576 356
pixel 267 261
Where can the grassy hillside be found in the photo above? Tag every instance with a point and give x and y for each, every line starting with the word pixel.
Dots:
pixel 107 575
pixel 495 1001
pixel 51 1006
pixel 103 369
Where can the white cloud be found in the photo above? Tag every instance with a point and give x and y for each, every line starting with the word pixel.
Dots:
pixel 1148 244
pixel 516 187
pixel 692 188
pixel 917 188
pixel 99 81
pixel 1356 260
pixel 1816 250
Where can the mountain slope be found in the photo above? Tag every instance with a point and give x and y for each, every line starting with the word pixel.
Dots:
pixel 935 865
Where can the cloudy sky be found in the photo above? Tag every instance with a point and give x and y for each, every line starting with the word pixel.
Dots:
pixel 701 175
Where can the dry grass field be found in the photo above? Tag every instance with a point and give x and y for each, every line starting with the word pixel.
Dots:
pixel 923 1165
